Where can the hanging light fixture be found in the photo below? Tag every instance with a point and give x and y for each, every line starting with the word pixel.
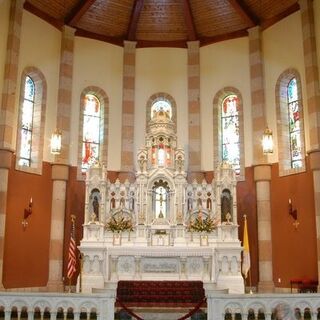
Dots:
pixel 56 142
pixel 267 141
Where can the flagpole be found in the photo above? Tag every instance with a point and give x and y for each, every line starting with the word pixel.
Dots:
pixel 246 254
pixel 250 284
pixel 80 274
pixel 73 218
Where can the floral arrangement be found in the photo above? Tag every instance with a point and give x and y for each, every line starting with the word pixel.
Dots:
pixel 203 225
pixel 119 224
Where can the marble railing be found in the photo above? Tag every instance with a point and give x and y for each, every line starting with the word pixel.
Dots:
pixel 100 306
pixel 261 306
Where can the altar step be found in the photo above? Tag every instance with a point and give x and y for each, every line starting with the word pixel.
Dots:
pixel 160 299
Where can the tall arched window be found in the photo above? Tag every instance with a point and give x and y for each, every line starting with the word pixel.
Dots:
pixel 228 131
pixel 26 124
pixel 93 129
pixel 294 124
pixel 290 129
pixel 32 113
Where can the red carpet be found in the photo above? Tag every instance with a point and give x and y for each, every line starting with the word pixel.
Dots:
pixel 160 293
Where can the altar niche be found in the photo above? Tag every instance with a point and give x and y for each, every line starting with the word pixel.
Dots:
pixel 160 200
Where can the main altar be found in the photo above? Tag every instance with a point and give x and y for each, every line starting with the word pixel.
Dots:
pixel 160 227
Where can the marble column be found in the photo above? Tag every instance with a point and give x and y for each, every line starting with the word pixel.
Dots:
pixel 60 167
pixel 60 175
pixel 262 178
pixel 7 113
pixel 194 163
pixel 127 151
pixel 313 100
pixel 262 171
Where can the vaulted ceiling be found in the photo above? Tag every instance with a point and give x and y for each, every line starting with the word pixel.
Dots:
pixel 168 23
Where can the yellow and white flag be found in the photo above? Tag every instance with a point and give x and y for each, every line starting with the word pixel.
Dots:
pixel 246 250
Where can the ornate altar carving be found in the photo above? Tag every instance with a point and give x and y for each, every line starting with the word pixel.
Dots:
pixel 142 229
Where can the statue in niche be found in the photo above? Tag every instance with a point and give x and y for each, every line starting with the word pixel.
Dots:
pixel 226 206
pixel 209 204
pixel 112 203
pixel 95 199
pixel 189 201
pixel 179 164
pixel 122 202
pixel 142 163
pixel 131 201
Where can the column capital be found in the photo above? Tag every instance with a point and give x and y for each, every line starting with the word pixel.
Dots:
pixel 193 45
pixel 59 172
pixel 314 159
pixel 254 32
pixel 304 4
pixel 129 45
pixel 68 31
pixel 5 158
pixel 262 172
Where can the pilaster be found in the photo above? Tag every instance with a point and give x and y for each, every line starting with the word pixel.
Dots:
pixel 127 133
pixel 60 176
pixel 194 107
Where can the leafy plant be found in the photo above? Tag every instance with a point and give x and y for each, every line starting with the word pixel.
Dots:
pixel 203 225
pixel 119 224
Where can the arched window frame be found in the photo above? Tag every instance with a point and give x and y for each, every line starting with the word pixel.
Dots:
pixel 161 96
pixel 104 126
pixel 283 123
pixel 217 130
pixel 38 120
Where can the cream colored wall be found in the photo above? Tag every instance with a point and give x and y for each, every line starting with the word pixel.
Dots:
pixel 4 25
pixel 40 48
pixel 224 64
pixel 161 70
pixel 316 8
pixel 98 64
pixel 283 49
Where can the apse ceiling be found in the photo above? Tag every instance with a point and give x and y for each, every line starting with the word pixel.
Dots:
pixel 169 23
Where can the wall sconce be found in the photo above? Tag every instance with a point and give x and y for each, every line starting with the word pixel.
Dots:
pixel 56 142
pixel 26 214
pixel 294 214
pixel 267 141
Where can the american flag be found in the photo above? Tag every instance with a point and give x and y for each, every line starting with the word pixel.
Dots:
pixel 72 252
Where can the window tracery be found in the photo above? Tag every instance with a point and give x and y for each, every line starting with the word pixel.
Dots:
pixel 290 127
pixel 31 122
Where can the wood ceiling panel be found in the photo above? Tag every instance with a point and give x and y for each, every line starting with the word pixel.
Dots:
pixel 110 18
pixel 162 19
pixel 267 9
pixel 215 17
pixel 57 9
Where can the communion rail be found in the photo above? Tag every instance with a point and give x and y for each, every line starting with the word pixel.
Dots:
pixel 70 306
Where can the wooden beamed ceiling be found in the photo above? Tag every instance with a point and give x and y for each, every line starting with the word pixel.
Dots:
pixel 162 23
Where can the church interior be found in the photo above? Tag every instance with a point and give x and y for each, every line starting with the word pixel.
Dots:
pixel 151 133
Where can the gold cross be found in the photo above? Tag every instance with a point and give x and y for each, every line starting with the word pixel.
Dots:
pixel 296 224
pixel 24 224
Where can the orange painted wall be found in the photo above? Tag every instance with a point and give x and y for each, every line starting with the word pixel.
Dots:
pixel 74 206
pixel 294 250
pixel 26 252
pixel 246 204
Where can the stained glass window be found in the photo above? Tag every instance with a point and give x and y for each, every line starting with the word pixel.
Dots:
pixel 230 131
pixel 27 123
pixel 294 124
pixel 161 105
pixel 91 131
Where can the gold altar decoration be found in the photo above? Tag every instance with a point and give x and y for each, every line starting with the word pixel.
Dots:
pixel 119 224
